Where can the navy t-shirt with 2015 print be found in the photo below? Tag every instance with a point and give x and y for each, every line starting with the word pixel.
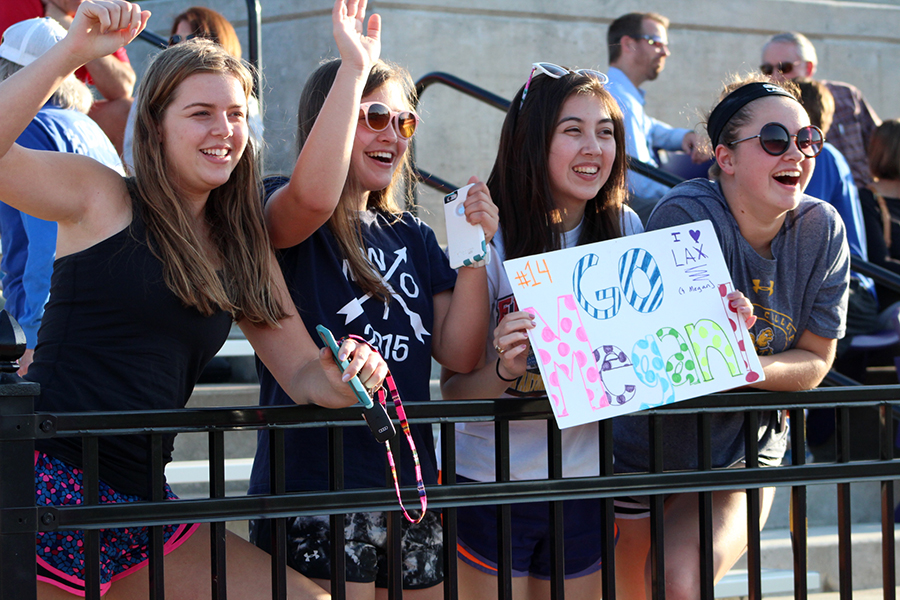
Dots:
pixel 406 255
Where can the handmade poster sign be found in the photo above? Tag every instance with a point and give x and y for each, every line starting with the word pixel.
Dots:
pixel 633 323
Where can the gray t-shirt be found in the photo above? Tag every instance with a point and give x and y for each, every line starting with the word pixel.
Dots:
pixel 804 287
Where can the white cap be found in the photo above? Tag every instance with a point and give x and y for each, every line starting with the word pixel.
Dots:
pixel 24 41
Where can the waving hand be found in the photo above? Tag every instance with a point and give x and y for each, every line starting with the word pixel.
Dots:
pixel 355 45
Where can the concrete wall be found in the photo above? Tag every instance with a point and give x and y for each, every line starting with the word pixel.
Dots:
pixel 492 43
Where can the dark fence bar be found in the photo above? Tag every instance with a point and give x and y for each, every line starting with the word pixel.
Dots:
pixel 798 505
pixel 704 463
pixel 19 520
pixel 18 424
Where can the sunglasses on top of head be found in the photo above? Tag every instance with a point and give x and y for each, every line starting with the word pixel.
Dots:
pixel 775 139
pixel 785 68
pixel 378 116
pixel 556 71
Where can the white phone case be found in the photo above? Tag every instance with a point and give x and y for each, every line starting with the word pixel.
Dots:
pixel 465 242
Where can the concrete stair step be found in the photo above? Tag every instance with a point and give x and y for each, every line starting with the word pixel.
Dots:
pixel 822 555
pixel 735 584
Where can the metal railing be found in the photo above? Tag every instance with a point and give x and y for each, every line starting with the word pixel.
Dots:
pixel 20 519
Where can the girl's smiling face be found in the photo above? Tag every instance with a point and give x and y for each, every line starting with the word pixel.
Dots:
pixel 582 151
pixel 204 132
pixel 377 154
pixel 764 185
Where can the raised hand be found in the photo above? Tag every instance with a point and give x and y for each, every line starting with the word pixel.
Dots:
pixel 357 47
pixel 480 209
pixel 101 27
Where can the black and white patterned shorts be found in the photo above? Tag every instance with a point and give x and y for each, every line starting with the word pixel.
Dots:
pixel 365 534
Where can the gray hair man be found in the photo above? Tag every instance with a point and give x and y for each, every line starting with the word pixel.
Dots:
pixel 791 55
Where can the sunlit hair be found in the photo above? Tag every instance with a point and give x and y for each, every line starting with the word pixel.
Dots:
pixel 345 223
pixel 233 211
pixel 71 93
pixel 804 47
pixel 818 101
pixel 744 115
pixel 520 179
pixel 212 25
pixel 884 151
pixel 631 25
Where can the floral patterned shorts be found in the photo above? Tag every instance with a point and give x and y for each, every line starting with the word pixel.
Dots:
pixel 60 557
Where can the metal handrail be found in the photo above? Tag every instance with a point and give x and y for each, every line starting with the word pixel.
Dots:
pixel 883 276
pixel 23 520
pixel 500 103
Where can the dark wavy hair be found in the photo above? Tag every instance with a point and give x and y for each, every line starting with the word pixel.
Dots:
pixel 520 183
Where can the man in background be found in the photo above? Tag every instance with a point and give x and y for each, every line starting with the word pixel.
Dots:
pixel 638 48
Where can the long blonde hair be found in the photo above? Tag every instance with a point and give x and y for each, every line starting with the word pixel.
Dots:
pixel 233 211
pixel 344 222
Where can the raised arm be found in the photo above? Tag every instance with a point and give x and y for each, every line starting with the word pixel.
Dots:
pixel 462 316
pixel 295 211
pixel 306 373
pixel 58 186
pixel 113 78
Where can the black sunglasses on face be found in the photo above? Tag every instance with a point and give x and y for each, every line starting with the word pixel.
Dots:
pixel 775 139
pixel 784 68
pixel 177 39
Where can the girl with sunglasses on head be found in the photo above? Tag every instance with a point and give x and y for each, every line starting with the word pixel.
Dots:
pixel 375 271
pixel 151 271
pixel 559 181
pixel 788 253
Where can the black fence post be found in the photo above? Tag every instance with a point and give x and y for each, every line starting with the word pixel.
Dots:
pixel 18 513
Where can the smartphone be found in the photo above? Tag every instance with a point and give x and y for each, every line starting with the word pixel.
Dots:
pixel 465 242
pixel 374 413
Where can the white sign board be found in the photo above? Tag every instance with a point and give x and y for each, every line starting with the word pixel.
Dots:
pixel 633 323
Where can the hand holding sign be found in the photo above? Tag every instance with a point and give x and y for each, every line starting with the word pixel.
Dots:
pixel 635 322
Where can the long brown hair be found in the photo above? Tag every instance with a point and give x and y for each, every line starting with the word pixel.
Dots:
pixel 344 222
pixel 520 183
pixel 233 211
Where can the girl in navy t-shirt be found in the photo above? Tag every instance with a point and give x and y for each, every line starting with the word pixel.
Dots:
pixel 356 263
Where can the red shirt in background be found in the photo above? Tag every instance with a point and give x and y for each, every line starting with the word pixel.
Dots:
pixel 13 11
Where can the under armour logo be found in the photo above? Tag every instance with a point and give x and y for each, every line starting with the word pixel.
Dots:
pixel 758 288
pixel 308 556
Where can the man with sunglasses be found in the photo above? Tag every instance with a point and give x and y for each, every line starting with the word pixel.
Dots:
pixel 638 48
pixel 791 55
pixel 112 76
